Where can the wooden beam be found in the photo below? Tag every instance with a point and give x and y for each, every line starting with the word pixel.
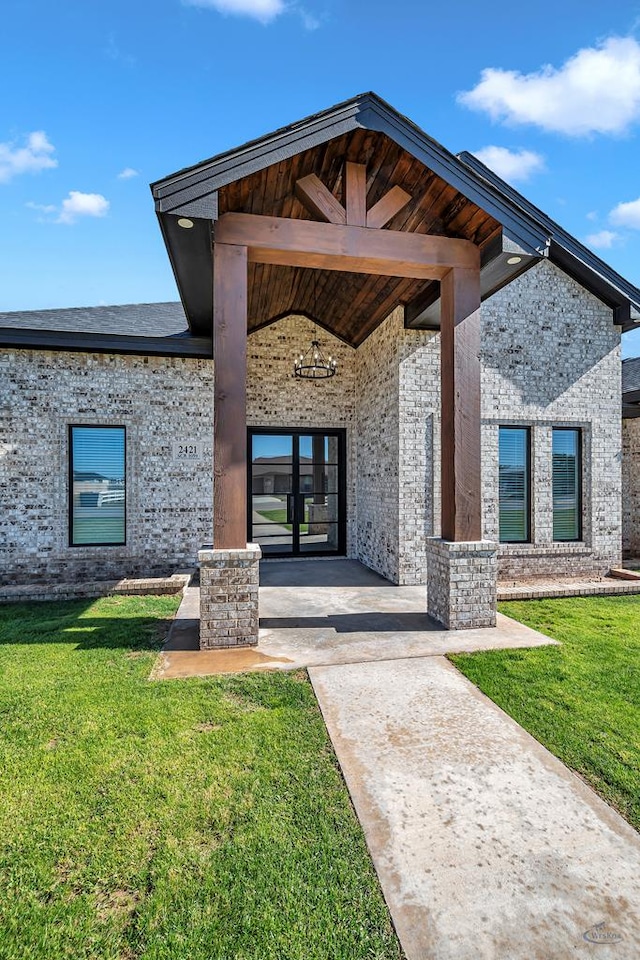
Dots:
pixel 230 396
pixel 460 404
pixel 387 207
pixel 355 175
pixel 319 200
pixel 327 246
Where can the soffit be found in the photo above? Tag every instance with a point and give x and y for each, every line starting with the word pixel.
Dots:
pixel 350 305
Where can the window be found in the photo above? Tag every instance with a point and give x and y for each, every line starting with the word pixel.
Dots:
pixel 514 484
pixel 97 490
pixel 567 484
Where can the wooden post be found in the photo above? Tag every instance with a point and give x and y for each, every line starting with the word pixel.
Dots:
pixel 460 379
pixel 230 397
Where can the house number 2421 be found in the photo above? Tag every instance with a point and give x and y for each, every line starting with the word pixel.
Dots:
pixel 185 450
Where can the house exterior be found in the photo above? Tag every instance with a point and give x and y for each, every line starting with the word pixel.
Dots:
pixel 472 429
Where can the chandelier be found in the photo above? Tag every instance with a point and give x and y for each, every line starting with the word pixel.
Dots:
pixel 313 365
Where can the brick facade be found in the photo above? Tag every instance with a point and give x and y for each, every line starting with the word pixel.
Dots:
pixel 377 450
pixel 169 501
pixel 550 356
pixel 631 487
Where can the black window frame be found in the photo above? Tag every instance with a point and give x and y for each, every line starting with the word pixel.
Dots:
pixel 296 432
pixel 580 482
pixel 94 426
pixel 528 481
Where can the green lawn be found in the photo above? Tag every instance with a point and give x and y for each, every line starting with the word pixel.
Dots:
pixel 581 700
pixel 194 819
pixel 280 516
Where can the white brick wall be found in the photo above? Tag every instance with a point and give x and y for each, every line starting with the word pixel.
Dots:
pixel 377 447
pixel 550 356
pixel 398 391
pixel 169 503
pixel 631 487
pixel 419 355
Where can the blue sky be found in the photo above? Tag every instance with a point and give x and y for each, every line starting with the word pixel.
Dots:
pixel 101 99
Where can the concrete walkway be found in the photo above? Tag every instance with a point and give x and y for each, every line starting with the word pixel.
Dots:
pixel 486 845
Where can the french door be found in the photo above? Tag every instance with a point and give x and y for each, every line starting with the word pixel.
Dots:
pixel 296 496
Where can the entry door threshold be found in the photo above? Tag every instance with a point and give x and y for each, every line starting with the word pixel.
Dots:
pixel 339 556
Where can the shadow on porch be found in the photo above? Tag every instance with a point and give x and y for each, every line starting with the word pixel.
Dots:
pixel 324 598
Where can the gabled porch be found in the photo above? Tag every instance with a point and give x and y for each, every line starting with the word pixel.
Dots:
pixel 343 220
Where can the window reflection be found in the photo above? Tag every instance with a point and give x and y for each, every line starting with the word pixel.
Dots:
pixel 98 494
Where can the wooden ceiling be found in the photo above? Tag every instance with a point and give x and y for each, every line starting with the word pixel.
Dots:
pixel 349 305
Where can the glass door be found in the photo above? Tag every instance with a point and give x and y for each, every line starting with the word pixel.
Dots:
pixel 297 492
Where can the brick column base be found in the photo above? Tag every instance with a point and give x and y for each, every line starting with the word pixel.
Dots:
pixel 229 597
pixel 461 583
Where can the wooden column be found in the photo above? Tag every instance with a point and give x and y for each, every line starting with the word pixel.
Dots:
pixel 230 397
pixel 460 379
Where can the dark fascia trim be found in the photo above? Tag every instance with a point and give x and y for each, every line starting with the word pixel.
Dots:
pixel 187 347
pixel 571 255
pixel 631 396
pixel 202 180
pixel 367 111
pixel 630 411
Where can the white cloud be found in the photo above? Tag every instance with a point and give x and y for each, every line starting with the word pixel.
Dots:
pixel 601 240
pixel 595 91
pixel 79 204
pixel 34 156
pixel 263 10
pixel 128 173
pixel 626 214
pixel 511 165
pixel 76 205
pixel 592 215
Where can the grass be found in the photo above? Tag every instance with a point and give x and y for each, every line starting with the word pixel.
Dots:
pixel 201 819
pixel 581 700
pixel 280 516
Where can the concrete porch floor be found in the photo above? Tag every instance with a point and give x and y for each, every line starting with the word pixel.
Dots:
pixel 319 612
